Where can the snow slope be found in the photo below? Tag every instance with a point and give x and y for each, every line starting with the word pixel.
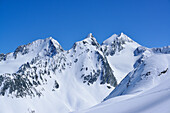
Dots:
pixel 119 50
pixel 155 100
pixel 146 89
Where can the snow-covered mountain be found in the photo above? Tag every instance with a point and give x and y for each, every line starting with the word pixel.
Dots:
pixel 119 49
pixel 41 73
pixel 145 89
pixel 152 70
pixel 42 77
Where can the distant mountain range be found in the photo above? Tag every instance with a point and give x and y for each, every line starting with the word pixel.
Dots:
pixel 42 77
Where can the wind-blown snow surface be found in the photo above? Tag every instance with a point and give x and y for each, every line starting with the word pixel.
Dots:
pixel 155 100
pixel 146 89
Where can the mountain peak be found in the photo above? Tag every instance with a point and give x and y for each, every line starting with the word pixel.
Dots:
pixel 50 38
pixel 122 34
pixel 117 38
pixel 89 35
pixel 91 39
pixel 124 37
pixel 55 42
pixel 48 46
pixel 117 43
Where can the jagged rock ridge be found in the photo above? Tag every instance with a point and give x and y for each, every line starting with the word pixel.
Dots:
pixel 49 59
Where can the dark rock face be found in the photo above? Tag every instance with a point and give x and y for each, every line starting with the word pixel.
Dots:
pixel 90 78
pixel 52 50
pixel 165 50
pixel 139 51
pixel 21 49
pixel 18 85
pixel 3 57
pixel 163 72
pixel 21 83
pixel 115 46
pixel 56 85
pixel 106 72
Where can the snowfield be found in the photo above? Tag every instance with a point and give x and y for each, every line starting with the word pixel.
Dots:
pixel 155 100
pixel 118 76
pixel 140 92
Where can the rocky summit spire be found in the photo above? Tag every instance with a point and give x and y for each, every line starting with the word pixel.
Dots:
pixel 87 42
pixel 91 40
pixel 89 35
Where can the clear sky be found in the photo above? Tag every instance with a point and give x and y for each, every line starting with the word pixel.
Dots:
pixel 68 21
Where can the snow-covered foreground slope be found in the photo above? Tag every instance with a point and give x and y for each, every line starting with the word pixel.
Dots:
pixel 146 89
pixel 155 100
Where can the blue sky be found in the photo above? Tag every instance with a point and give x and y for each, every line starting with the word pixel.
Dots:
pixel 68 21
